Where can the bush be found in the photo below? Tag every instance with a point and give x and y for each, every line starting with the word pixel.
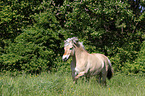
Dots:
pixel 137 65
pixel 33 51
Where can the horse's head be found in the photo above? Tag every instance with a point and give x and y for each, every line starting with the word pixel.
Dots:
pixel 69 48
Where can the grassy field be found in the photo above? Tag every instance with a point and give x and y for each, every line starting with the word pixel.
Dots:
pixel 60 84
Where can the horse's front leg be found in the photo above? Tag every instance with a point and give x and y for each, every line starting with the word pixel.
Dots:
pixel 73 76
pixel 80 74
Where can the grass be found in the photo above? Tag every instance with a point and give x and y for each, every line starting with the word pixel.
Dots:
pixel 60 84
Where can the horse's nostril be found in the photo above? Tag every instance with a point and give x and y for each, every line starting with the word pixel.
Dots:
pixel 64 59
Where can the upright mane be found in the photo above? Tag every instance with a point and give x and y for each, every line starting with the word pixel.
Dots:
pixel 81 44
pixel 74 40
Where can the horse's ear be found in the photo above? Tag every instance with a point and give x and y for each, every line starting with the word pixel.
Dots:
pixel 75 40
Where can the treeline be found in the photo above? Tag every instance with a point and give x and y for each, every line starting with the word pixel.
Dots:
pixel 32 33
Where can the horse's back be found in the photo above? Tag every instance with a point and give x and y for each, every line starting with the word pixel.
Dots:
pixel 103 58
pixel 100 57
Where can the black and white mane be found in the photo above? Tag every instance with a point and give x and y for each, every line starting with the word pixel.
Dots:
pixel 73 40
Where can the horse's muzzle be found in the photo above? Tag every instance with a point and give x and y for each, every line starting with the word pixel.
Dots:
pixel 65 58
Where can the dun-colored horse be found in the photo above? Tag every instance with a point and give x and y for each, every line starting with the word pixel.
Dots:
pixel 85 64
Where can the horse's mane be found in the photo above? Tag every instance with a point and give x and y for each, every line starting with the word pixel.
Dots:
pixel 73 40
pixel 81 44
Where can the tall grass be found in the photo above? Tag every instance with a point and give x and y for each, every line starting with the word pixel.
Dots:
pixel 60 84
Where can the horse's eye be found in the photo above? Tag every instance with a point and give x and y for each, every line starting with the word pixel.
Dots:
pixel 71 48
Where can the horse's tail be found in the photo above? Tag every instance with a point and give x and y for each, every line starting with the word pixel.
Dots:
pixel 110 70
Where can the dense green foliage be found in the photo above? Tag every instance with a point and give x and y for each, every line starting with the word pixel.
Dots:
pixel 32 33
pixel 61 85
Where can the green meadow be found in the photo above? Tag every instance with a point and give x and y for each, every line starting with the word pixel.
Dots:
pixel 60 84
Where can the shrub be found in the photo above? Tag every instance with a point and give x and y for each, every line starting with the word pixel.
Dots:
pixel 33 51
pixel 138 65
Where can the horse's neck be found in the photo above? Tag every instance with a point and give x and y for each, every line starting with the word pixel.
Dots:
pixel 79 53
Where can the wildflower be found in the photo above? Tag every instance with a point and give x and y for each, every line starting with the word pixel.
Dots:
pixel 109 89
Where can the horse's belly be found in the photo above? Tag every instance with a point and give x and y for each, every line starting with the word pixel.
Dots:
pixel 91 70
pixel 95 70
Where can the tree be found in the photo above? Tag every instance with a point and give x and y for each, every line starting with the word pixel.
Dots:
pixel 32 33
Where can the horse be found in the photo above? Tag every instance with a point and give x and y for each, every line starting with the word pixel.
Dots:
pixel 84 63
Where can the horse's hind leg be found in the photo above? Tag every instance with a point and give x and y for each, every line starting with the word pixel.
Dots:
pixel 99 78
pixel 104 81
pixel 104 75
